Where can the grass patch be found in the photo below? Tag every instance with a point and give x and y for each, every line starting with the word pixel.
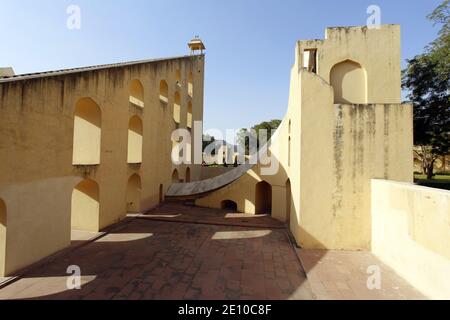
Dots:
pixel 439 181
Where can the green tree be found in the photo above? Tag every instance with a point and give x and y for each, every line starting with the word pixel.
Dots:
pixel 245 134
pixel 427 80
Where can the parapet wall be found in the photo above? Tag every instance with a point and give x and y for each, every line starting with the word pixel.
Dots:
pixel 411 234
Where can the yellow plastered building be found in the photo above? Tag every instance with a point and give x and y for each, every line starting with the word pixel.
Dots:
pixel 80 148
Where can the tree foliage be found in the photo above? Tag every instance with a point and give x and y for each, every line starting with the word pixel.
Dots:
pixel 256 131
pixel 427 80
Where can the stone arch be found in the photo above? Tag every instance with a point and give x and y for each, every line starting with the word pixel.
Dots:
pixel 87 132
pixel 135 140
pixel 178 76
pixel 189 116
pixel 263 198
pixel 3 226
pixel 191 84
pixel 177 108
pixel 188 175
pixel 85 206
pixel 175 176
pixel 349 81
pixel 137 93
pixel 134 188
pixel 229 205
pixel 164 91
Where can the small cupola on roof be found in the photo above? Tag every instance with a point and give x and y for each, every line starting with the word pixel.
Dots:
pixel 196 44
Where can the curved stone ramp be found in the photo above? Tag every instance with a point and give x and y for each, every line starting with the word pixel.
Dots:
pixel 198 188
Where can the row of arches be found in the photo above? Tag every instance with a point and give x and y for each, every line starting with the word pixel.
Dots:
pixel 88 123
pixel 136 89
pixel 176 176
pixel 164 87
pixel 263 200
pixel 87 135
pixel 85 206
pixel 177 111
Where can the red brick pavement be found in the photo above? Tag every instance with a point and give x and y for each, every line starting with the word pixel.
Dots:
pixel 165 260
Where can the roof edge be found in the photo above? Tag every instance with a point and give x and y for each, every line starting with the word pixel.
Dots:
pixel 54 73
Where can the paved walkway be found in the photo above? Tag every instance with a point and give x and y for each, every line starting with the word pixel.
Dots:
pixel 146 258
pixel 343 275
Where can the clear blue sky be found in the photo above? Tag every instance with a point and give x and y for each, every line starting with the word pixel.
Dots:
pixel 250 43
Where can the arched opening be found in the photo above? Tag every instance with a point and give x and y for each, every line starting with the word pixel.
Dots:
pixel 229 205
pixel 191 84
pixel 161 193
pixel 175 176
pixel 134 194
pixel 288 201
pixel 178 77
pixel 163 91
pixel 135 139
pixel 189 115
pixel 349 82
pixel 85 206
pixel 177 108
pixel 137 93
pixel 188 175
pixel 263 198
pixel 3 222
pixel 87 133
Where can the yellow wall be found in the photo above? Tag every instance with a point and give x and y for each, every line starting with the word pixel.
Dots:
pixel 37 175
pixel 3 225
pixel 336 149
pixel 411 234
pixel 376 50
pixel 343 146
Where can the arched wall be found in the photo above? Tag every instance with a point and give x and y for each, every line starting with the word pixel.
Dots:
pixel 177 108
pixel 229 205
pixel 175 176
pixel 189 120
pixel 263 198
pixel 137 93
pixel 191 84
pixel 38 158
pixel 87 133
pixel 164 91
pixel 178 76
pixel 134 189
pixel 135 140
pixel 349 82
pixel 85 206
